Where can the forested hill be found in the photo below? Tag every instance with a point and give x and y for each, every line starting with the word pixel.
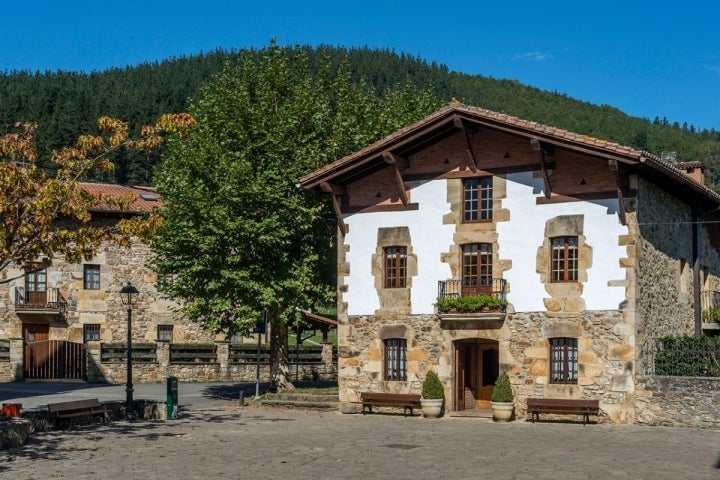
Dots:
pixel 66 104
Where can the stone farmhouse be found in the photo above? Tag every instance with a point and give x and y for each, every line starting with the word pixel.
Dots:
pixel 598 249
pixel 67 322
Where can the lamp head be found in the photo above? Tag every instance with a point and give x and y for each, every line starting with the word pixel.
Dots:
pixel 129 294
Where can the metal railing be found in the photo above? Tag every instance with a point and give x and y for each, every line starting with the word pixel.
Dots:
pixel 495 287
pixel 50 300
pixel 683 356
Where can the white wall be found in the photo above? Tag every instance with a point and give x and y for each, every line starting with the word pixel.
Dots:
pixel 429 239
pixel 519 240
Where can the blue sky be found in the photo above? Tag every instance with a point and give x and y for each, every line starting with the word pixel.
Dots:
pixel 646 58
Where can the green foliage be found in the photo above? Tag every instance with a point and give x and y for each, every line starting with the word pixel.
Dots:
pixel 66 104
pixel 688 356
pixel 711 314
pixel 239 235
pixel 432 387
pixel 470 303
pixel 502 391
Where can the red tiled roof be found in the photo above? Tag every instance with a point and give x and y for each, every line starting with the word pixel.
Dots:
pixel 555 136
pixel 146 198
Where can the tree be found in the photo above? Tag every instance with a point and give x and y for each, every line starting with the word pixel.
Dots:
pixel 239 235
pixel 43 215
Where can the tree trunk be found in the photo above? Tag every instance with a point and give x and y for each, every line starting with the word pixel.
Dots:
pixel 279 354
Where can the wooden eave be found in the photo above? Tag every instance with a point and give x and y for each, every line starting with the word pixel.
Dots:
pixel 451 120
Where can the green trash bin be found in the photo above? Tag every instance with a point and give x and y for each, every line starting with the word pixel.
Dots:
pixel 172 397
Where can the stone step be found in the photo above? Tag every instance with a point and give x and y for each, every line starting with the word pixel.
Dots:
pixel 301 397
pixel 314 405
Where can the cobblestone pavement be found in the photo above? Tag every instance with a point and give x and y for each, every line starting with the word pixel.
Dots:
pixel 217 442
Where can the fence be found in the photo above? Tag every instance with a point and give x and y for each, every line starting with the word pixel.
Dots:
pixel 687 356
pixel 218 361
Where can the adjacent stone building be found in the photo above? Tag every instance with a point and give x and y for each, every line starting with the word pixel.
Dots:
pixel 598 249
pixel 68 322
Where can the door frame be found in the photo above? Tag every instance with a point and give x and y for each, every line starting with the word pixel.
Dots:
pixel 475 359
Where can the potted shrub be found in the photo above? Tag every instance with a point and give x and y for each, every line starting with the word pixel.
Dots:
pixel 433 395
pixel 502 399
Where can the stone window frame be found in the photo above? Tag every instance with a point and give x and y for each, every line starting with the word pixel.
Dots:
pixel 563 360
pixel 91 332
pixel 395 266
pixel 164 333
pixel 91 276
pixel 477 200
pixel 565 268
pixel 395 359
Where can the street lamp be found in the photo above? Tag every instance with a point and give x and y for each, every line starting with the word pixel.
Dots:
pixel 129 295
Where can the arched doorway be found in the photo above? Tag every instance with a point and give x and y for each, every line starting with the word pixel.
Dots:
pixel 476 369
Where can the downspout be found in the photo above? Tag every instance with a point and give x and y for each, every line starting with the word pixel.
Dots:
pixel 696 270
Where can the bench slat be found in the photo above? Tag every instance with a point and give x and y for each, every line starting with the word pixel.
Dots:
pixel 78 408
pixel 381 399
pixel 583 407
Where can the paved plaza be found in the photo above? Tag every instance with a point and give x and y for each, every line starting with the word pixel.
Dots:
pixel 215 441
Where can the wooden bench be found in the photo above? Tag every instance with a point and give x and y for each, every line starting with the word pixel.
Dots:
pixel 536 406
pixel 78 408
pixel 407 401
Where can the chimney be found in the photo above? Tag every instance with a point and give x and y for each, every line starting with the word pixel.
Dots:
pixel 694 170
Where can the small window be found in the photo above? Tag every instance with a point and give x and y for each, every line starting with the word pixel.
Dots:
pixel 395 359
pixel 563 360
pixel 165 333
pixel 91 277
pixel 395 267
pixel 91 332
pixel 564 263
pixel 164 281
pixel 477 199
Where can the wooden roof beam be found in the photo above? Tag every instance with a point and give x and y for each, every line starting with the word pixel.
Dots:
pixel 398 162
pixel 336 192
pixel 335 189
pixel 613 164
pixel 471 160
pixel 541 146
pixel 544 149
pixel 395 159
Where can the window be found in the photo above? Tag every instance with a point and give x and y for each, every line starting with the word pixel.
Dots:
pixel 91 332
pixel 91 277
pixel 563 360
pixel 564 263
pixel 477 268
pixel 477 201
pixel 395 267
pixel 165 333
pixel 164 281
pixel 395 359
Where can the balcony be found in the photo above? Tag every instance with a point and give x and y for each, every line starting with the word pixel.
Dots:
pixel 484 301
pixel 50 302
pixel 710 307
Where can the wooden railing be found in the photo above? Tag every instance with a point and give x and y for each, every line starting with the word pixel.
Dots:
pixel 495 287
pixel 49 301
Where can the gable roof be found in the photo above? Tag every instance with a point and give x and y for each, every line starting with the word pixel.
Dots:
pixel 449 120
pixel 145 200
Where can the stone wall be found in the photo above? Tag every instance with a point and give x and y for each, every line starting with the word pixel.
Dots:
pixel 150 372
pixel 605 346
pixel 677 401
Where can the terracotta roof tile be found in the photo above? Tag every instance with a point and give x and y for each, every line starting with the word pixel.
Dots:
pixel 146 198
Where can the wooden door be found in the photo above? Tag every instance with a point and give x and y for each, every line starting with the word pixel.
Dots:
pixel 487 373
pixel 459 377
pixel 36 287
pixel 35 332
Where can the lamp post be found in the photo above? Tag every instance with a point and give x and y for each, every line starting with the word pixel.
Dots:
pixel 129 295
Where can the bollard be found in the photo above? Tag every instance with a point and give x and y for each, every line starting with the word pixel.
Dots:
pixel 241 398
pixel 172 398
